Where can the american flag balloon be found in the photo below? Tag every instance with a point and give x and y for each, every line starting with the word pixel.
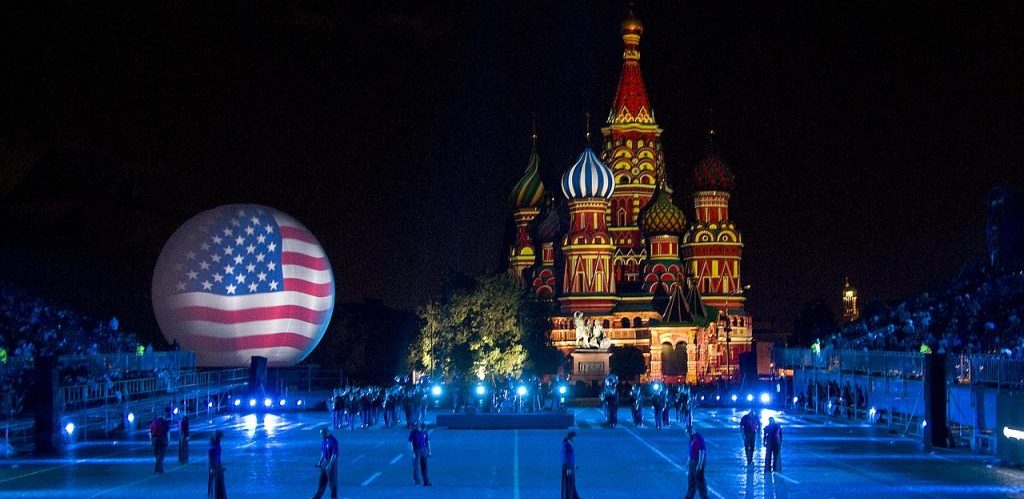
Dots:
pixel 243 280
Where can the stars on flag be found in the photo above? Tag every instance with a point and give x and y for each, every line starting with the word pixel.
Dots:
pixel 209 262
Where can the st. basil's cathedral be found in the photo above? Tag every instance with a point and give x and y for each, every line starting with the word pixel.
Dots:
pixel 622 253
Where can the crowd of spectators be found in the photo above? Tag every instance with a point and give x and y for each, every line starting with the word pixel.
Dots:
pixel 31 328
pixel 979 312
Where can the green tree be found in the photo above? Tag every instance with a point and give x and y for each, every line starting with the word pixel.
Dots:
pixel 627 362
pixel 490 325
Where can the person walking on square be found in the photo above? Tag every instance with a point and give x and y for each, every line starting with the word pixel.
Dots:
pixel 328 465
pixel 698 459
pixel 773 447
pixel 183 436
pixel 215 484
pixel 748 427
pixel 159 431
pixel 569 467
pixel 419 444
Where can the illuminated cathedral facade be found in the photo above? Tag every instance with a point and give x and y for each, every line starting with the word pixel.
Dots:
pixel 619 249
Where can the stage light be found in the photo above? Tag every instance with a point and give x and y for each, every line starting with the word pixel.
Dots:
pixel 872 412
pixel 765 398
pixel 252 402
pixel 131 417
pixel 656 386
pixel 796 400
pixel 521 391
pixel 702 397
pixel 750 397
pixel 562 389
pixel 267 403
pixel 924 423
pixel 175 411
pixel 69 428
pixel 238 402
pixel 481 390
pixel 436 390
pixel 299 403
pixel 282 402
pixel 734 397
pixel 209 405
pixel 719 397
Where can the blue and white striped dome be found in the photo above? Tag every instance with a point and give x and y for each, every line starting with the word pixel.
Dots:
pixel 588 178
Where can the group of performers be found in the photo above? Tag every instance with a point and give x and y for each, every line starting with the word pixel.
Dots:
pixel 661 398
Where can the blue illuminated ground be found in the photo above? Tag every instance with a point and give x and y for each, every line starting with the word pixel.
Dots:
pixel 273 456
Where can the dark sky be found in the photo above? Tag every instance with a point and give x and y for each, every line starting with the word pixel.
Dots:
pixel 864 135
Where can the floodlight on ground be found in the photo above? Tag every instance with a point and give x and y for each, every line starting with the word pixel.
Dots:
pixel 481 390
pixel 750 397
pixel 872 412
pixel 562 389
pixel 175 411
pixel 765 398
pixel 238 402
pixel 267 403
pixel 131 417
pixel 924 423
pixel 436 390
pixel 299 403
pixel 69 428
pixel 282 402
pixel 521 391
pixel 734 397
pixel 209 404
pixel 719 397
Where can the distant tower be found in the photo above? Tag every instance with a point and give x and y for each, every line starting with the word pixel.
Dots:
pixel 850 310
pixel 587 281
pixel 547 228
pixel 526 197
pixel 662 223
pixel 713 247
pixel 632 149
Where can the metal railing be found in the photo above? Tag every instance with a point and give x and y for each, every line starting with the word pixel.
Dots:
pixel 91 394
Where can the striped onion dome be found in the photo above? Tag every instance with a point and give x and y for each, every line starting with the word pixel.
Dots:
pixel 588 178
pixel 529 191
pixel 662 216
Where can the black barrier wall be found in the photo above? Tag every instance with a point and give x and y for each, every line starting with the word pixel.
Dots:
pixel 936 427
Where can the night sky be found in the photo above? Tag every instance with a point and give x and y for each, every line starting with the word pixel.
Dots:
pixel 864 135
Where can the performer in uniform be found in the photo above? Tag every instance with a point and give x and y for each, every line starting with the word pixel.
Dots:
pixel 773 446
pixel 636 393
pixel 328 465
pixel 611 399
pixel 183 436
pixel 569 468
pixel 158 435
pixel 419 444
pixel 748 427
pixel 215 484
pixel 698 459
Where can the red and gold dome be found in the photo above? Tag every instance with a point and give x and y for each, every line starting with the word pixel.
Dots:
pixel 712 173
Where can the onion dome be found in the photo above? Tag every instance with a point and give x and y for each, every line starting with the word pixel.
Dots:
pixel 632 25
pixel 589 177
pixel 662 216
pixel 529 190
pixel 549 226
pixel 712 173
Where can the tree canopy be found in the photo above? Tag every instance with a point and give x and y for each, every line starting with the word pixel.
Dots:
pixel 490 326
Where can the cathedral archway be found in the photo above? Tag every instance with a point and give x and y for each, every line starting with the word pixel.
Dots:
pixel 669 360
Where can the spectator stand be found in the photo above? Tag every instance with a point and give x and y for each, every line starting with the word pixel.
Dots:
pixel 887 388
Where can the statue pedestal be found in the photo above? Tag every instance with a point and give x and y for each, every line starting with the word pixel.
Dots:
pixel 590 364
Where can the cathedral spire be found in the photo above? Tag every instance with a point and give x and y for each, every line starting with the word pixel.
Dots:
pixel 631 104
